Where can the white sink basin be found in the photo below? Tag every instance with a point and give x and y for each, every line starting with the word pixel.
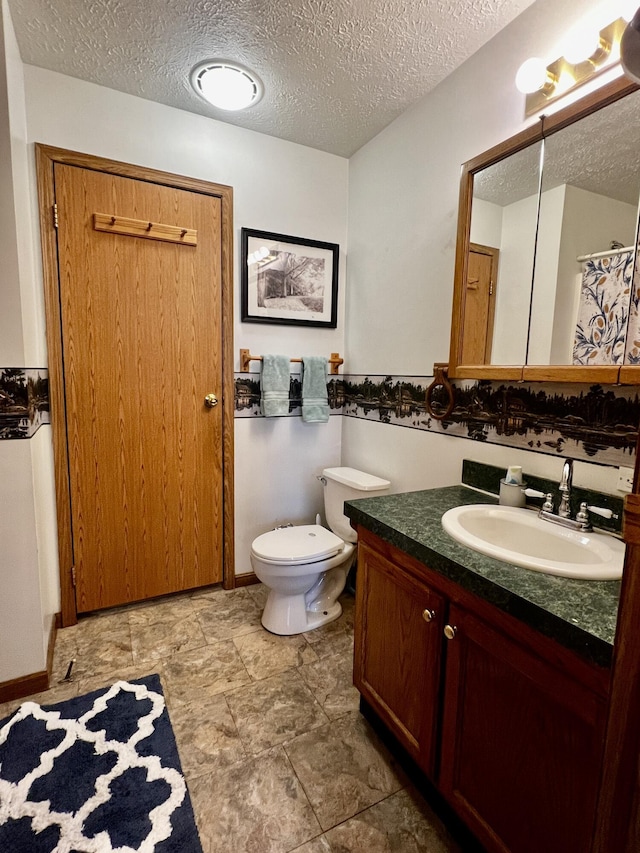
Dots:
pixel 518 536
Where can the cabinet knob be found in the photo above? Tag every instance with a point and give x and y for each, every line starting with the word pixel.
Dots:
pixel 450 631
pixel 428 615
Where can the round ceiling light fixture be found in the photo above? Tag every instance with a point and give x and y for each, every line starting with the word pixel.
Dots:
pixel 226 85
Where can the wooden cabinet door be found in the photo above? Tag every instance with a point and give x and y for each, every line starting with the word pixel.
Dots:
pixel 397 651
pixel 521 744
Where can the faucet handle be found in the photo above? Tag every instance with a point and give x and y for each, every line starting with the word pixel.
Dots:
pixel 603 511
pixel 547 506
pixel 533 493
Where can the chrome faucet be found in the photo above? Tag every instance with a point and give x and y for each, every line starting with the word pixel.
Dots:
pixel 564 510
pixel 563 516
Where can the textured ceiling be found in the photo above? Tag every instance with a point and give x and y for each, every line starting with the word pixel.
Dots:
pixel 336 72
pixel 600 154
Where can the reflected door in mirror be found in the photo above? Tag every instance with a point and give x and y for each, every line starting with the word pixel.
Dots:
pixel 479 304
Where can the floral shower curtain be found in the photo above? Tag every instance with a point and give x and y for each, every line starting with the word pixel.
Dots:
pixel 605 304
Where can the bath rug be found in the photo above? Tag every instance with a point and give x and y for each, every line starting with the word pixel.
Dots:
pixel 98 773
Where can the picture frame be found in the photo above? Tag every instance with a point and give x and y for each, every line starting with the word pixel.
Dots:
pixel 287 280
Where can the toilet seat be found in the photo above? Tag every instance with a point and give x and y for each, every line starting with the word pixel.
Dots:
pixel 294 546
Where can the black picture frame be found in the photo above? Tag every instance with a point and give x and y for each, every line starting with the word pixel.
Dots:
pixel 290 281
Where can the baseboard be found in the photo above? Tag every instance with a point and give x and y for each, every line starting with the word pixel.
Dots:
pixel 26 685
pixel 37 682
pixel 247 579
pixel 56 622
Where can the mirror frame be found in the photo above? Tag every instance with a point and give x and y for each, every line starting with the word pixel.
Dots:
pixel 543 128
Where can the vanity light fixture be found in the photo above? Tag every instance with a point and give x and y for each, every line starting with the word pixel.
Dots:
pixel 226 85
pixel 630 48
pixel 587 52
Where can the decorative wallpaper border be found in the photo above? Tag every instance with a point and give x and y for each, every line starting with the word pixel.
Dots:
pixel 594 423
pixel 24 401
pixel 247 395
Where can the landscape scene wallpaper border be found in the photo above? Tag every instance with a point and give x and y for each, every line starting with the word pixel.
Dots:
pixel 24 401
pixel 591 422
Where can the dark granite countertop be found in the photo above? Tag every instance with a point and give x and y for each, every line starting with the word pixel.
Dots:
pixel 580 615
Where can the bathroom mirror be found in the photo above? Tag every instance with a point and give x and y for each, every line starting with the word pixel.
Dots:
pixel 539 293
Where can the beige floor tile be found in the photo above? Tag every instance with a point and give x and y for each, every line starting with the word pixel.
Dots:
pixel 344 769
pixel 274 710
pixel 196 676
pixel 403 823
pixel 207 737
pixel 227 615
pixel 99 645
pixel 162 631
pixel 330 680
pixel 259 593
pixel 266 654
pixel 171 610
pixel 336 637
pixel 318 845
pixel 255 807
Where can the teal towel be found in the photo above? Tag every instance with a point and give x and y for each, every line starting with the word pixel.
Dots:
pixel 274 385
pixel 315 403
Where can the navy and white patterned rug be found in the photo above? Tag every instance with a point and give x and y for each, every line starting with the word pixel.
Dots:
pixel 99 773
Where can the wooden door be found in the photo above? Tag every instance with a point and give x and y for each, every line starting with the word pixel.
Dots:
pixel 521 743
pixel 141 341
pixel 479 305
pixel 398 640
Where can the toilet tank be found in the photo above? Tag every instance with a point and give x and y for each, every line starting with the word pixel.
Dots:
pixel 345 484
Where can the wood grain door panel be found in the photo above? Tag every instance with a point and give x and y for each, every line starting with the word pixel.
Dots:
pixel 141 328
pixel 479 305
pixel 397 655
pixel 521 744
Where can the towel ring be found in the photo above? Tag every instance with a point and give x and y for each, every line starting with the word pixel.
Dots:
pixel 440 380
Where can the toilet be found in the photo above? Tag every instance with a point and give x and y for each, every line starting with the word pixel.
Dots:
pixel 305 566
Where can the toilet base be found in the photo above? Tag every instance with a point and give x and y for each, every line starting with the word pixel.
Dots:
pixel 287 614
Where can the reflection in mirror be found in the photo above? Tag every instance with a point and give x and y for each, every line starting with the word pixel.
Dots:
pixel 497 295
pixel 588 204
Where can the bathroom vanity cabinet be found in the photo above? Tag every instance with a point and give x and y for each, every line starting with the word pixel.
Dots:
pixel 506 722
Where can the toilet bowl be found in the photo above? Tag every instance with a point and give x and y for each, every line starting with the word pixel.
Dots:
pixel 305 566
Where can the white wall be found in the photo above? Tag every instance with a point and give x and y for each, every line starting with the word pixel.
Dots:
pixel 486 223
pixel 515 280
pixel 24 616
pixel 278 186
pixel 403 205
pixel 11 341
pixel 546 275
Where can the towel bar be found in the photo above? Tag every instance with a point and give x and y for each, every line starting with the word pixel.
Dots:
pixel 245 357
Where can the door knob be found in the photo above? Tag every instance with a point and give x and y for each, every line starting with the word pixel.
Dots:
pixel 210 401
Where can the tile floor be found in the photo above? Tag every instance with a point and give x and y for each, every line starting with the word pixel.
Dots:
pixel 276 754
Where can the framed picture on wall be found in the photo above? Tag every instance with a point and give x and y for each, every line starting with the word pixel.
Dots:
pixel 288 280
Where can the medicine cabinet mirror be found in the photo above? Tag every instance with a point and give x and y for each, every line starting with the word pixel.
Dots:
pixel 547 227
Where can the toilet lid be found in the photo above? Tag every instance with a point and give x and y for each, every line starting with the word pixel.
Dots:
pixel 305 543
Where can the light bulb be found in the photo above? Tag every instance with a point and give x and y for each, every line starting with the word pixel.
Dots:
pixel 628 9
pixel 532 76
pixel 581 44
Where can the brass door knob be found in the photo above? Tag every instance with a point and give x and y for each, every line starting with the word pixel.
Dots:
pixel 450 631
pixel 210 401
pixel 428 615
